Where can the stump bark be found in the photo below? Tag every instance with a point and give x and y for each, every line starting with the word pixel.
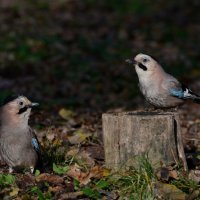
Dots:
pixel 131 134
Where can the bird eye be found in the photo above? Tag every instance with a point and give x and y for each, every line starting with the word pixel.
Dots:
pixel 145 60
pixel 21 103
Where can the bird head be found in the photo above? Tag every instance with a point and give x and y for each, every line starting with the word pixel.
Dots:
pixel 16 109
pixel 144 64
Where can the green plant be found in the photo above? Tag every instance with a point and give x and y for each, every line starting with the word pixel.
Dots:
pixel 37 172
pixel 60 169
pixel 185 184
pixel 135 183
pixel 6 180
pixel 91 193
pixel 40 194
pixel 102 184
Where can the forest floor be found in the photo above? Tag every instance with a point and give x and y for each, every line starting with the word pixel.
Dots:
pixel 69 56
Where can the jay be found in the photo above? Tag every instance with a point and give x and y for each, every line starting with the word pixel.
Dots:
pixel 159 88
pixel 19 146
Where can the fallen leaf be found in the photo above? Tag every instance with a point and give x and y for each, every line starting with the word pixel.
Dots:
pixel 85 177
pixel 14 192
pixel 71 195
pixel 164 173
pixel 85 158
pixel 73 151
pixel 96 152
pixel 78 137
pixel 25 181
pixel 66 114
pixel 173 174
pixel 56 188
pixel 96 172
pixel 57 142
pixel 194 195
pixel 106 172
pixel 50 178
pixel 50 136
pixel 168 191
pixel 76 173
pixel 195 175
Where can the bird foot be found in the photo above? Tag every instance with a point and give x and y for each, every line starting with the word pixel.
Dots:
pixel 173 109
pixel 10 170
pixel 153 109
pixel 148 109
pixel 161 110
pixel 32 169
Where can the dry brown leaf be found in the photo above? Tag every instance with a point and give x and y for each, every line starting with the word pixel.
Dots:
pixel 71 195
pixel 56 188
pixel 73 151
pixel 85 177
pixel 195 175
pixel 78 137
pixel 168 191
pixel 106 172
pixel 50 136
pixel 50 178
pixel 96 151
pixel 164 173
pixel 14 192
pixel 76 173
pixel 97 172
pixel 173 174
pixel 24 181
pixel 84 157
pixel 66 114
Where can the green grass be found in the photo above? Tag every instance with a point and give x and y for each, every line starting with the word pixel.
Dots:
pixel 135 183
pixel 186 185
pixel 138 183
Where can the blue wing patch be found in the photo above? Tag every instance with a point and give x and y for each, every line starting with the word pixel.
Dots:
pixel 35 144
pixel 177 93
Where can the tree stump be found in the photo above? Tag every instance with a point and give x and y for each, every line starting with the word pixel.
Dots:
pixel 131 134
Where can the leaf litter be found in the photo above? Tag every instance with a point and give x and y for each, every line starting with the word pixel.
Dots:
pixel 71 135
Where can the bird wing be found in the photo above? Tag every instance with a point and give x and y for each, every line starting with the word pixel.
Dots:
pixel 36 145
pixel 176 90
pixel 180 91
pixel 34 141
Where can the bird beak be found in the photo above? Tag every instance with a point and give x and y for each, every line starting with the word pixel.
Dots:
pixel 31 105
pixel 130 61
pixel 34 104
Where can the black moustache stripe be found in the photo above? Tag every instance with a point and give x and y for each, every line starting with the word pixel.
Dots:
pixel 142 66
pixel 22 110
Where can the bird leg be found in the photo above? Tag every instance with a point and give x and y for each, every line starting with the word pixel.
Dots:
pixel 10 170
pixel 32 169
pixel 148 107
pixel 151 108
pixel 175 109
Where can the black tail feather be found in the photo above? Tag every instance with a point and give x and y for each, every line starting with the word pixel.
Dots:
pixel 197 100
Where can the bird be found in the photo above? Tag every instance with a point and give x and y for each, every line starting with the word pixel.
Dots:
pixel 159 88
pixel 19 146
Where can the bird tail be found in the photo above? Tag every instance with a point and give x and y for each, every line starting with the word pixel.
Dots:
pixel 192 95
pixel 197 99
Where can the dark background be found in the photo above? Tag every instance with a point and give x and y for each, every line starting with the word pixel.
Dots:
pixel 69 55
pixel 71 52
